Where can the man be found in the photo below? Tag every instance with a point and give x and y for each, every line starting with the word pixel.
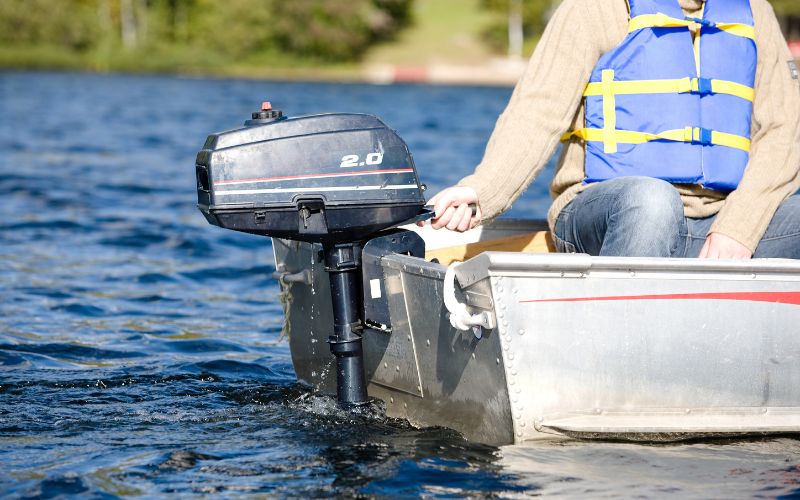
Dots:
pixel 703 162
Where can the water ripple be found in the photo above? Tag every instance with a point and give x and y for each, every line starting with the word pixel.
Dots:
pixel 72 352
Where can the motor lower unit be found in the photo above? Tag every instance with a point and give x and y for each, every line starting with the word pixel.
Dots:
pixel 337 179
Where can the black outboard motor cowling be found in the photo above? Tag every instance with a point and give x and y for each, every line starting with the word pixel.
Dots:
pixel 319 178
pixel 335 179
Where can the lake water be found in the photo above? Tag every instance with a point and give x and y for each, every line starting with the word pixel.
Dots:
pixel 140 348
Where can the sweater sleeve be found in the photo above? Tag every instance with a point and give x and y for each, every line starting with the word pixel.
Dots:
pixel 542 105
pixel 772 172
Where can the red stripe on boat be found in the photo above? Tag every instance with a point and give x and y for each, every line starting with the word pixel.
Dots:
pixel 315 176
pixel 774 297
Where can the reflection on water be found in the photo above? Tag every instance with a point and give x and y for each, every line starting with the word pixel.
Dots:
pixel 722 469
pixel 139 349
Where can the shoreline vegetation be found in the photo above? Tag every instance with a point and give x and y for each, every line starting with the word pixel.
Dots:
pixel 371 41
pixel 459 42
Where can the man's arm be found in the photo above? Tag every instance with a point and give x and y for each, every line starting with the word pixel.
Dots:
pixel 540 110
pixel 772 173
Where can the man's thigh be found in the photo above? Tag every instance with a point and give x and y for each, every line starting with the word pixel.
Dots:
pixel 693 236
pixel 781 239
pixel 581 225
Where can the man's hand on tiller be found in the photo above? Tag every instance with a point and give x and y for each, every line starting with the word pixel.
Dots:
pixel 453 211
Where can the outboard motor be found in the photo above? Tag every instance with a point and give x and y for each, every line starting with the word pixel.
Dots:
pixel 335 179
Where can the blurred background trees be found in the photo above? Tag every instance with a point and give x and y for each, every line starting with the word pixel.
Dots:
pixel 786 7
pixel 530 17
pixel 788 12
pixel 74 24
pixel 330 30
pixel 525 19
pixel 243 36
pixel 336 29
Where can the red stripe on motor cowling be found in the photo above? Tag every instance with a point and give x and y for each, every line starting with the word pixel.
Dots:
pixel 315 176
pixel 774 297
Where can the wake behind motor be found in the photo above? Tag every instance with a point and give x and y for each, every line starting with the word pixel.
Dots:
pixel 335 179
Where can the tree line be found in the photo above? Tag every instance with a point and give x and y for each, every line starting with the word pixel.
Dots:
pixel 170 34
pixel 334 30
pixel 533 15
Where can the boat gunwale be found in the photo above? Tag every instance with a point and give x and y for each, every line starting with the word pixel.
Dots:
pixel 492 263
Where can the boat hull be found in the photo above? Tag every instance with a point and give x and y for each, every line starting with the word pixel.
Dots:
pixel 613 348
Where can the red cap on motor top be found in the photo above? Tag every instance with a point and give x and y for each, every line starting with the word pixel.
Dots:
pixel 266 106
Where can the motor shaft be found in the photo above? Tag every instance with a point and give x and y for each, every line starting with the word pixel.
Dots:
pixel 342 262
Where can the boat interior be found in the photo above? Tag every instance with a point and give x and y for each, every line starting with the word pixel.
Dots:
pixel 502 235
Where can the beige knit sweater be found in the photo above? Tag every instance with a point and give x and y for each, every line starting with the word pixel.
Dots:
pixel 548 101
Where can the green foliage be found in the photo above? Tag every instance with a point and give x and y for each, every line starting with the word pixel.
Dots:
pixel 534 18
pixel 535 14
pixel 47 22
pixel 336 29
pixel 116 31
pixel 235 28
pixel 786 7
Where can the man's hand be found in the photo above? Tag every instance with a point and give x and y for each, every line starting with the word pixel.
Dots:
pixel 452 209
pixel 719 246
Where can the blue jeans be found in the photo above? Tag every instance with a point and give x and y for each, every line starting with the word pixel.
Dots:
pixel 643 217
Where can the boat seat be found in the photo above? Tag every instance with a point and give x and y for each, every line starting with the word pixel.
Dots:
pixel 533 242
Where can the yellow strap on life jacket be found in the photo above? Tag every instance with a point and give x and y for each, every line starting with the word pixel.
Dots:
pixel 688 134
pixel 609 112
pixel 730 88
pixel 678 86
pixel 730 140
pixel 738 29
pixel 664 21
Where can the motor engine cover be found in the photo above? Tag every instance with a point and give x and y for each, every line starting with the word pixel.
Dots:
pixel 319 178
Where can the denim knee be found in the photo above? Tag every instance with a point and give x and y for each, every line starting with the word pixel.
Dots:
pixel 646 219
pixel 628 216
pixel 651 203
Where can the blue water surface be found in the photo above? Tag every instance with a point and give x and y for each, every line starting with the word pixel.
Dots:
pixel 140 349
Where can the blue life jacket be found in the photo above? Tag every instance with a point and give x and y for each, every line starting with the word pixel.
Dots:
pixel 663 106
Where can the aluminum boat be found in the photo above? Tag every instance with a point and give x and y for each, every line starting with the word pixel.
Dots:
pixel 496 336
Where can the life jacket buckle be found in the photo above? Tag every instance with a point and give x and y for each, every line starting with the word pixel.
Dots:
pixel 702 86
pixel 700 21
pixel 702 136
